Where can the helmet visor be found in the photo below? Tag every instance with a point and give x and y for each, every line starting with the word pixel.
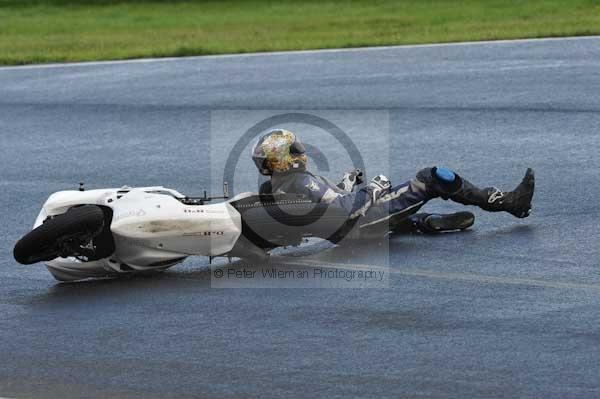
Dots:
pixel 259 157
pixel 297 148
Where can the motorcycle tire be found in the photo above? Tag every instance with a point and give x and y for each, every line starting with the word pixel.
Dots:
pixel 40 244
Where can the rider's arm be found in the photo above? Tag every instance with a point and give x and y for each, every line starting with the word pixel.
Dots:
pixel 356 203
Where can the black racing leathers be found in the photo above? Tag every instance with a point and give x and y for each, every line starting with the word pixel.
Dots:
pixel 398 203
pixel 403 200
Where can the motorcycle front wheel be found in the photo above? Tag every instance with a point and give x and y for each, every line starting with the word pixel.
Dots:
pixel 48 241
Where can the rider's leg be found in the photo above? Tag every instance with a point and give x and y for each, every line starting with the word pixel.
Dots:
pixel 396 212
pixel 442 182
pixel 393 209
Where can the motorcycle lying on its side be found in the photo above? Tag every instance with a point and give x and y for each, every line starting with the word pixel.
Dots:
pixel 83 234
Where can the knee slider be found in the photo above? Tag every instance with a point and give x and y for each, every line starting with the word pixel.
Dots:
pixel 440 181
pixel 445 175
pixel 449 181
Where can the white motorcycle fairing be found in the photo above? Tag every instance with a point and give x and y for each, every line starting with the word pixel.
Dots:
pixel 152 229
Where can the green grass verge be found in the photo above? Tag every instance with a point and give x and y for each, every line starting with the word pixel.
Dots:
pixel 59 31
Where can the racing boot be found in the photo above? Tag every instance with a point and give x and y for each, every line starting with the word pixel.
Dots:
pixel 437 223
pixel 427 223
pixel 516 202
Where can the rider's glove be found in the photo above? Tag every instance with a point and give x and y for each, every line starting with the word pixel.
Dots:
pixel 378 186
pixel 351 179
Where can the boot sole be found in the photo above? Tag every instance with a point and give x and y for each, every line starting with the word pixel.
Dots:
pixel 529 181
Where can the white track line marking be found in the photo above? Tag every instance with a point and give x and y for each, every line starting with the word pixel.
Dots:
pixel 291 52
pixel 480 278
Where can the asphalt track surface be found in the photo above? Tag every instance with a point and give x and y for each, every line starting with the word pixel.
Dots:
pixel 508 309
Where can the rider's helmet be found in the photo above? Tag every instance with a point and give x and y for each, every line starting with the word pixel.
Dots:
pixel 279 151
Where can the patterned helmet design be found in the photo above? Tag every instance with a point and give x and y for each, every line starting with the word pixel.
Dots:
pixel 279 151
